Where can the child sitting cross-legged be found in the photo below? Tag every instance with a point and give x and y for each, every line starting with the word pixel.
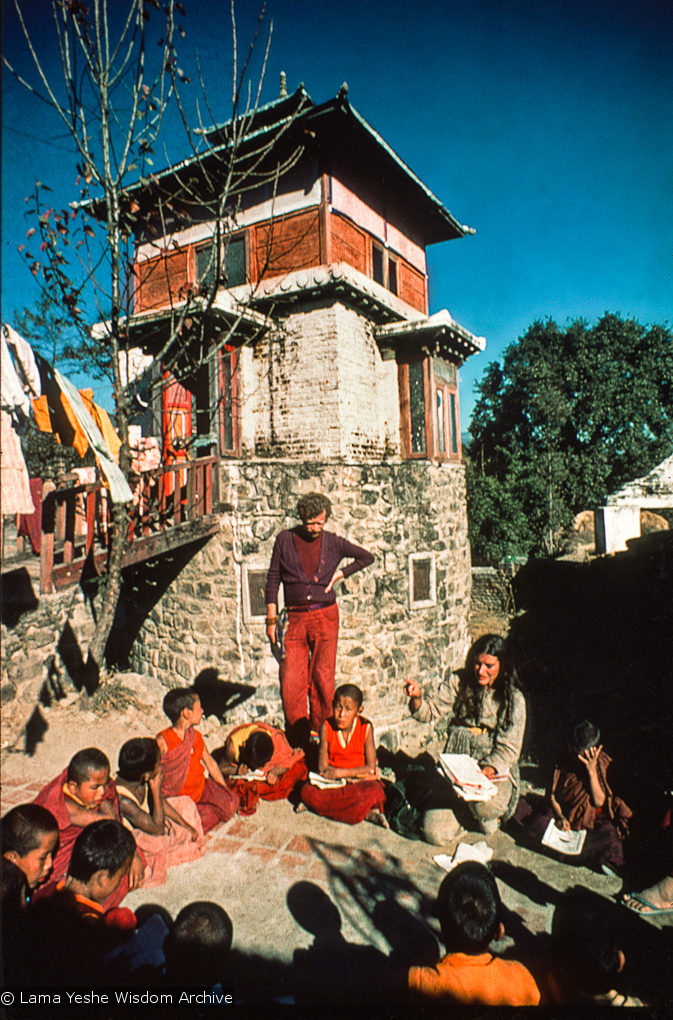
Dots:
pixel 167 829
pixel 469 908
pixel 185 759
pixel 347 751
pixel 582 798
pixel 81 795
pixel 29 841
pixel 258 747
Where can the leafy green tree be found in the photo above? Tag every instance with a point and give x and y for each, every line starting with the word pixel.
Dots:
pixel 568 417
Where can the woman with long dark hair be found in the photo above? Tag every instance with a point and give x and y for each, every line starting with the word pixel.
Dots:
pixel 486 713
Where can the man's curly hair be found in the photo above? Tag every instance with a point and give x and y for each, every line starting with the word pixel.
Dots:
pixel 312 504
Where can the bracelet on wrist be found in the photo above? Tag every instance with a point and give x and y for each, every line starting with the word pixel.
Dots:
pixel 271 619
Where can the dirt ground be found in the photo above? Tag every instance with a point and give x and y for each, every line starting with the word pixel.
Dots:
pixel 295 883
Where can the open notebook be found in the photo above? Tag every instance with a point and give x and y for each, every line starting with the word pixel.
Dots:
pixel 468 780
pixel 570 842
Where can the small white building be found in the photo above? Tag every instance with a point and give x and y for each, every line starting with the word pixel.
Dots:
pixel 619 520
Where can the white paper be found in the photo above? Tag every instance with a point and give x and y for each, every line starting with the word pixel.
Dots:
pixel 570 842
pixel 251 777
pixel 468 780
pixel 315 779
pixel 480 852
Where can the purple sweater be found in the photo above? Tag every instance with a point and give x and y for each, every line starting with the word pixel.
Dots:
pixel 286 567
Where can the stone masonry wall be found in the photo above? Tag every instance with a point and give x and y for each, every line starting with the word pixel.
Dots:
pixel 393 509
pixel 41 646
pixel 492 589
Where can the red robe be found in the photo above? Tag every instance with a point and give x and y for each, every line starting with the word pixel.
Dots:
pixel 283 757
pixel 353 802
pixel 184 775
pixel 53 798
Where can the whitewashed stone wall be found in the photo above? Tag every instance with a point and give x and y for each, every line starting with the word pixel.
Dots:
pixel 393 509
pixel 321 390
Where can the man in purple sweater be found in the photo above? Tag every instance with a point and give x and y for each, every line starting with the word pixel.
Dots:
pixel 306 561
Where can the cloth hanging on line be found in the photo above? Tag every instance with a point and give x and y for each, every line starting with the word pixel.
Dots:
pixel 54 413
pixel 16 497
pixel 14 398
pixel 30 525
pixel 102 420
pixel 119 487
pixel 16 387
pixel 24 361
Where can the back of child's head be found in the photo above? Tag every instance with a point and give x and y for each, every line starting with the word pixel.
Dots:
pixel 137 757
pixel 349 691
pixel 584 735
pixel 585 942
pixel 177 700
pixel 24 828
pixel 102 846
pixel 198 944
pixel 257 750
pixel 84 763
pixel 468 908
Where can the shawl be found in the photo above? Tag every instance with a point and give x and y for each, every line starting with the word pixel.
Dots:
pixel 53 798
pixel 283 757
pixel 572 792
pixel 177 761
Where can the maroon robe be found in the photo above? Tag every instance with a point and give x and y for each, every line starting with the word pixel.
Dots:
pixel 53 798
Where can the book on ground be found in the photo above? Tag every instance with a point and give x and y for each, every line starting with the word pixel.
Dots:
pixel 468 780
pixel 570 842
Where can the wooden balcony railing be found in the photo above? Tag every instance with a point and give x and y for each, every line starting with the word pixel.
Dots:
pixel 172 505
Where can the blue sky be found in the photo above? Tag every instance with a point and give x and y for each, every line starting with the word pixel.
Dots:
pixel 545 125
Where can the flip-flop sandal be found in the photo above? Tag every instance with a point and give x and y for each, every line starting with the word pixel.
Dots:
pixel 651 909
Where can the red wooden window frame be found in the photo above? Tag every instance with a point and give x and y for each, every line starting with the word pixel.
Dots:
pixel 228 400
pixel 432 385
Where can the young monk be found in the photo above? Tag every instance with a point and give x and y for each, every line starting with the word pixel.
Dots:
pixel 185 759
pixel 29 841
pixel 101 859
pixel 167 830
pixel 347 751
pixel 582 798
pixel 81 795
pixel 258 747
pixel 71 931
pixel 469 911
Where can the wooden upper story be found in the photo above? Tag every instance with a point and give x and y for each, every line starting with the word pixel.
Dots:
pixel 347 198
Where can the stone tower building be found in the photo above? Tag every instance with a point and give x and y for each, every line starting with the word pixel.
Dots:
pixel 334 378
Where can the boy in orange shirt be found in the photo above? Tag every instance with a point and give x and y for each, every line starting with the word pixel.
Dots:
pixel 185 759
pixel 469 908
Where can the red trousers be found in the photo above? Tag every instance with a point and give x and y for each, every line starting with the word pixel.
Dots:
pixel 350 803
pixel 307 671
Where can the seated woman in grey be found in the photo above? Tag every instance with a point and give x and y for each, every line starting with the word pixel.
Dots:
pixel 486 715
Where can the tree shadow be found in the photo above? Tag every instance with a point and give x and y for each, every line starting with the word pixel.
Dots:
pixel 16 596
pixel 220 696
pixel 143 584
